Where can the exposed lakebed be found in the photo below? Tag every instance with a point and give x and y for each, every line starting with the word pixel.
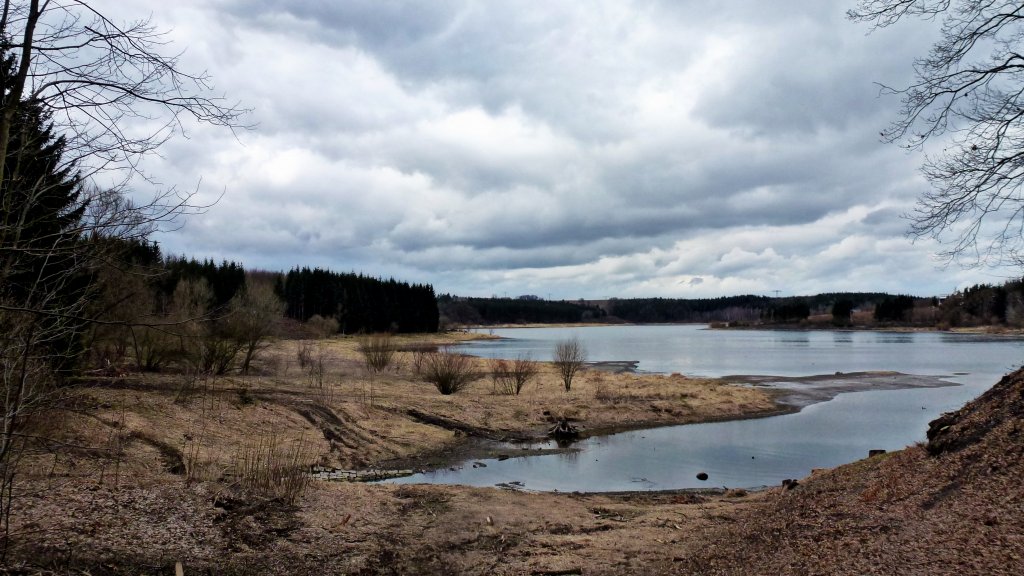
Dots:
pixel 857 391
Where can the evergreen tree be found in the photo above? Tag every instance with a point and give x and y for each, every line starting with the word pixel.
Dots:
pixel 40 244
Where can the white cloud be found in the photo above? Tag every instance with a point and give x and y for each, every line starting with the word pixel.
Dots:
pixel 574 149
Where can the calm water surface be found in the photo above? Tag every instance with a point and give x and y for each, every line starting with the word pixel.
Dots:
pixel 748 453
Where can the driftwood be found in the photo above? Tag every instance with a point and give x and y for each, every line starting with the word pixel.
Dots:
pixel 563 430
pixel 449 424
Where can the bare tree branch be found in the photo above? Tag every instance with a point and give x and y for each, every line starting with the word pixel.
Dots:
pixel 969 94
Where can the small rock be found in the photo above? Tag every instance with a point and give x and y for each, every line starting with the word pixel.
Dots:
pixel 702 476
pixel 790 483
pixel 479 465
pixel 878 452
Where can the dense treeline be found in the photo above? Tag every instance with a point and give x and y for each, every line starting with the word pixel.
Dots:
pixel 895 309
pixel 469 311
pixel 836 308
pixel 224 279
pixel 787 311
pixel 359 303
pixel 984 304
pixel 656 310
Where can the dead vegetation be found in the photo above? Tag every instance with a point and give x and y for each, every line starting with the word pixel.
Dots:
pixel 140 481
pixel 511 376
pixel 953 505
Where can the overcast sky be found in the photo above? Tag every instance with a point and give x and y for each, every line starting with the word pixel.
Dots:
pixel 567 149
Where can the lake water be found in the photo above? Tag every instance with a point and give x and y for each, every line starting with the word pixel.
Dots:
pixel 747 453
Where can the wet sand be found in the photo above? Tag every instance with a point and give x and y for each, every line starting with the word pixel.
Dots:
pixel 802 391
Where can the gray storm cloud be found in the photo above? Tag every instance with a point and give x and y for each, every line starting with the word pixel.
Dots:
pixel 579 149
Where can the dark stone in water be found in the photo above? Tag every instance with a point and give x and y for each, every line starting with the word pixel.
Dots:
pixel 702 476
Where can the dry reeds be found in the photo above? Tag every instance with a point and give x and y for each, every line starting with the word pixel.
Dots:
pixel 267 467
pixel 378 350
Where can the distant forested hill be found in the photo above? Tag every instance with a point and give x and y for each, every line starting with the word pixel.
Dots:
pixel 359 303
pixel 523 310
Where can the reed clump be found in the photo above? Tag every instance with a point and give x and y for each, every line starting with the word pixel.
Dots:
pixel 271 468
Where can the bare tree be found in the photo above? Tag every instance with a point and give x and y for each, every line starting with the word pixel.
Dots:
pixel 97 76
pixel 72 84
pixel 968 89
pixel 569 358
pixel 254 315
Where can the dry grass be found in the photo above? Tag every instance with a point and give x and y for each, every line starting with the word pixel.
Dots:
pixel 216 439
pixel 268 467
pixel 953 511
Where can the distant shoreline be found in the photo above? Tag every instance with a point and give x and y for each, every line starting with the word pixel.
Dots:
pixel 980 330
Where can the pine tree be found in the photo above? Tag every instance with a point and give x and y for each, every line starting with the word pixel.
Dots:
pixel 39 224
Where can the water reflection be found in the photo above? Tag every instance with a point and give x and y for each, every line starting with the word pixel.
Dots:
pixel 569 456
pixel 842 337
pixel 744 453
pixel 895 338
pixel 694 350
pixel 748 453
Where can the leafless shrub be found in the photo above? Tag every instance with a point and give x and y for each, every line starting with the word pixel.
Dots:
pixel 325 395
pixel 274 365
pixel 569 358
pixel 378 351
pixel 449 371
pixel 417 362
pixel 601 391
pixel 510 377
pixel 218 353
pixel 304 354
pixel 192 378
pixel 322 327
pixel 418 354
pixel 153 347
pixel 316 368
pixel 265 466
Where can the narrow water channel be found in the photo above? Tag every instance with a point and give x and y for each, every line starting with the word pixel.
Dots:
pixel 757 452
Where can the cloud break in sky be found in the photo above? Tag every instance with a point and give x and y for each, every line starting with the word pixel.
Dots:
pixel 565 149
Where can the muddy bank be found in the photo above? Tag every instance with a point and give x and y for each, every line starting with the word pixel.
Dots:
pixel 802 391
pixel 790 395
pixel 123 510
